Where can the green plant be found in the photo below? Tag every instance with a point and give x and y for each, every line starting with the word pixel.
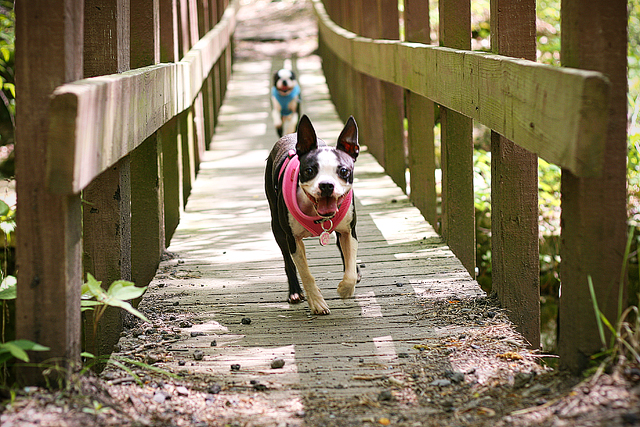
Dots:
pixel 116 296
pixel 18 349
pixel 625 338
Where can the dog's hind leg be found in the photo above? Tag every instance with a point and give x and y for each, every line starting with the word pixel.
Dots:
pixel 348 246
pixel 317 304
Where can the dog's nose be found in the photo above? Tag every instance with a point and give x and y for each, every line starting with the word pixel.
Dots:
pixel 326 189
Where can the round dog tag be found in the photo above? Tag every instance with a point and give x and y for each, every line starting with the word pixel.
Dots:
pixel 325 238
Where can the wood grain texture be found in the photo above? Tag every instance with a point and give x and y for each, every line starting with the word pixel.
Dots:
pixel 392 102
pixel 594 209
pixel 106 220
pixel 109 116
pixel 420 118
pixel 558 113
pixel 458 208
pixel 49 249
pixel 514 188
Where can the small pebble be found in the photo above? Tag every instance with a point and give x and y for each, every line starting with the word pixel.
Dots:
pixel 214 343
pixel 159 397
pixel 185 324
pixel 457 377
pixel 259 387
pixel 277 363
pixel 197 334
pixel 176 303
pixel 385 396
pixel 198 354
pixel 182 391
pixel 235 367
pixel 151 358
pixel 214 389
pixel 440 383
pixel 491 314
pixel 246 321
pixel 181 362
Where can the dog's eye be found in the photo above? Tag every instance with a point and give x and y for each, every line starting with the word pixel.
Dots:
pixel 344 173
pixel 307 172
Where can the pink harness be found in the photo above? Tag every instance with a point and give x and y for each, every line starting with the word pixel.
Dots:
pixel 314 224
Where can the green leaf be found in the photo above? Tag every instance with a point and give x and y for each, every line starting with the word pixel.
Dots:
pixel 14 350
pixel 4 208
pixel 123 290
pixel 29 345
pixel 93 287
pixel 8 288
pixel 89 303
pixel 125 305
pixel 11 88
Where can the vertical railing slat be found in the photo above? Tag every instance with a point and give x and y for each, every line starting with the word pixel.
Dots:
pixel 594 37
pixel 147 188
pixel 458 214
pixel 107 199
pixel 514 188
pixel 170 136
pixel 49 245
pixel 393 101
pixel 420 118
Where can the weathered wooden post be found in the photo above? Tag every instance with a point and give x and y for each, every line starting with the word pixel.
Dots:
pixel 514 188
pixel 393 101
pixel 107 200
pixel 147 210
pixel 420 118
pixel 371 128
pixel 594 37
pixel 49 245
pixel 458 210
pixel 169 134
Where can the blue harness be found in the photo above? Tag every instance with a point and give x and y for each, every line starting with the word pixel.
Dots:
pixel 284 100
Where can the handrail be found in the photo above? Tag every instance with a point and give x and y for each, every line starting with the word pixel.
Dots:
pixel 540 114
pixel 125 109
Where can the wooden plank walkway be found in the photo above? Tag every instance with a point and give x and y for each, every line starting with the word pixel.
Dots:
pixel 227 265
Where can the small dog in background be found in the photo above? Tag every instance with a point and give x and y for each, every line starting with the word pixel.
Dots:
pixel 285 101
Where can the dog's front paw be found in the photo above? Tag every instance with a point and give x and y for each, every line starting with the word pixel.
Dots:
pixel 296 298
pixel 346 289
pixel 318 305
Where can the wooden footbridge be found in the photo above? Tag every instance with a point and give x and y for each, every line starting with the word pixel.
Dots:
pixel 130 165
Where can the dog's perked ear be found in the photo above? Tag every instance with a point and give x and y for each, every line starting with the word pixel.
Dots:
pixel 307 140
pixel 348 139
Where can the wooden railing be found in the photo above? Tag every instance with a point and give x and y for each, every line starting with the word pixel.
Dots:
pixel 118 101
pixel 568 116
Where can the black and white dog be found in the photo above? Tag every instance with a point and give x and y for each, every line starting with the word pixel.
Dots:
pixel 309 189
pixel 285 101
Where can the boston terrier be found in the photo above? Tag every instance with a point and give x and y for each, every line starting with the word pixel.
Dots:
pixel 308 186
pixel 285 101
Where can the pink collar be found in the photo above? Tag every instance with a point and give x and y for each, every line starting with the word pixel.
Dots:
pixel 314 224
